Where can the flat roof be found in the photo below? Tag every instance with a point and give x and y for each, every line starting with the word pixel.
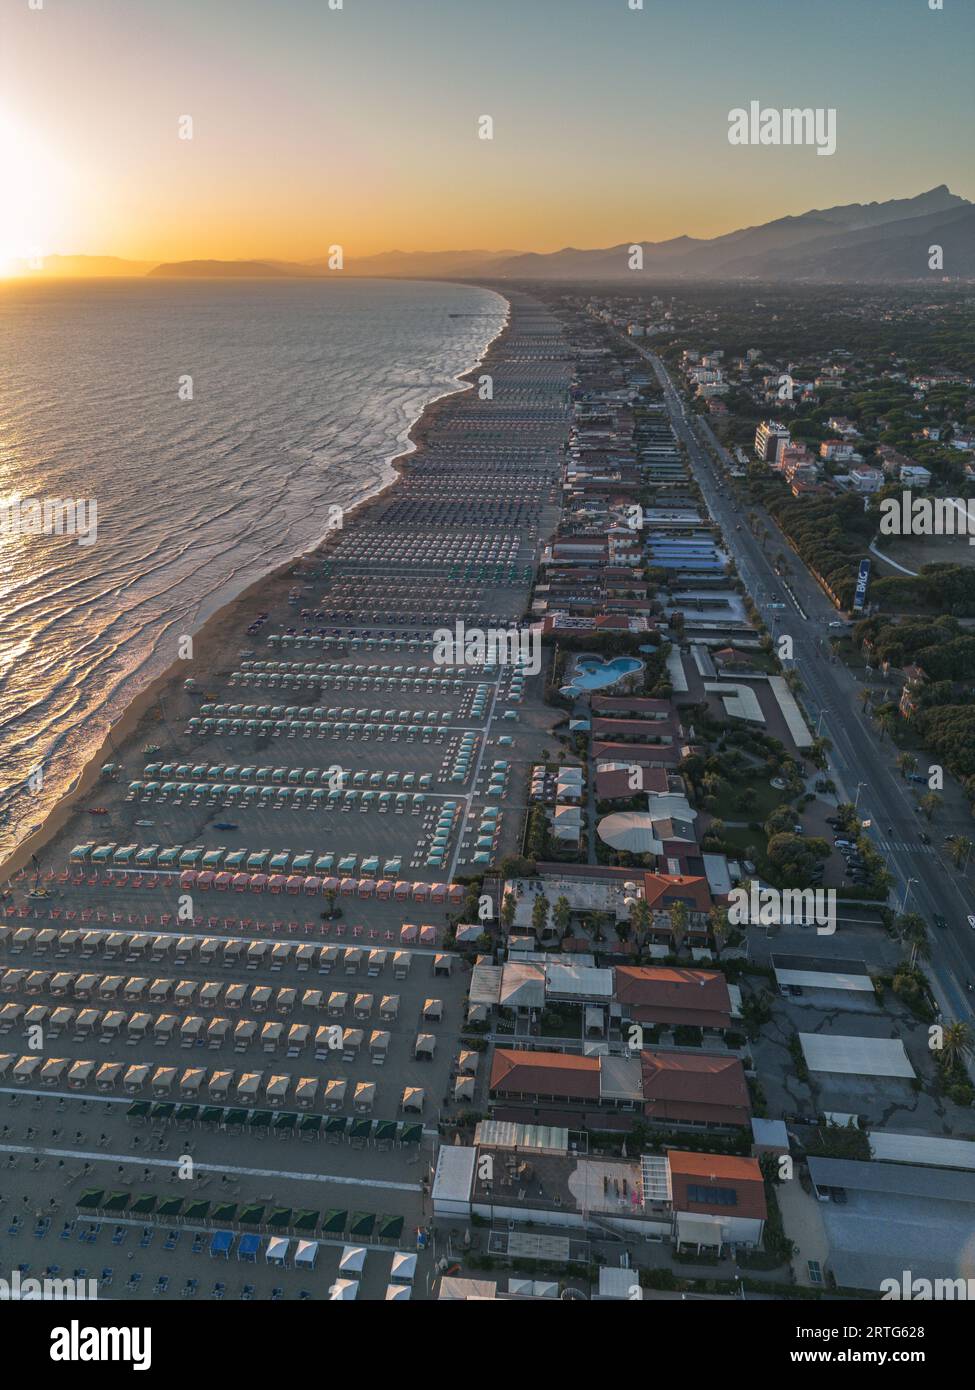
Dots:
pixel 852 1056
pixel 585 981
pixel 931 1150
pixel 454 1176
pixel 822 979
pixel 791 712
pixel 892 1179
pixel 508 1134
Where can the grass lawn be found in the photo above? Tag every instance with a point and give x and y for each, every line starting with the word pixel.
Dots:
pixel 739 837
pixel 728 802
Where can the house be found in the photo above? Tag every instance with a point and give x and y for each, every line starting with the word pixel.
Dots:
pixel 673 996
pixel 866 480
pixel 837 451
pixel 694 1090
pixel 717 1200
pixel 913 475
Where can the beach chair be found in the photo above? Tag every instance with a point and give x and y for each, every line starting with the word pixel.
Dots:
pixel 106 1277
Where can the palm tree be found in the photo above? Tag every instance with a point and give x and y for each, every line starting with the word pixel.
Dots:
pixel 886 722
pixel 718 922
pixel 712 782
pixel 914 933
pixel 678 924
pixel 929 803
pixel 640 918
pixel 961 848
pixel 562 914
pixel 540 914
pixel 865 695
pixel 906 763
pixel 957 1044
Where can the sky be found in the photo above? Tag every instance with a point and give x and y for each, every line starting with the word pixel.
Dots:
pixel 358 126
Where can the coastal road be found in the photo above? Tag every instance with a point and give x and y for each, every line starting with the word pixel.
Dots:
pixel 923 875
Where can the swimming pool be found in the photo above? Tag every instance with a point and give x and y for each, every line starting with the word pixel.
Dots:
pixel 592 674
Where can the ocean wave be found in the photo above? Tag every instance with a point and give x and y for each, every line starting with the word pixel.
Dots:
pixel 299 402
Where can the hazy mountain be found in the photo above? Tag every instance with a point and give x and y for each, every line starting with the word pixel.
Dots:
pixel 855 241
pixel 897 250
pixel 228 270
pixel 425 264
pixel 791 247
pixel 86 267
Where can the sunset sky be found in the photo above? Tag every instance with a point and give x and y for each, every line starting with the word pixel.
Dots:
pixel 358 126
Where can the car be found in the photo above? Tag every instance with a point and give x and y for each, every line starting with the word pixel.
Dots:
pixel 97 811
pixel 225 825
pixel 142 823
pixel 836 624
pixel 843 844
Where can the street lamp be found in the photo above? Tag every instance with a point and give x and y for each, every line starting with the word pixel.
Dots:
pixel 856 799
pixel 907 889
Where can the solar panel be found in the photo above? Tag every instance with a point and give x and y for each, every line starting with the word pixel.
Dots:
pixel 713 1196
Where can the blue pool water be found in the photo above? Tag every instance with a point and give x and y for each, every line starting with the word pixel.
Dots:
pixel 592 674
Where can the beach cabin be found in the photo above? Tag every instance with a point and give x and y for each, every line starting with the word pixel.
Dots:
pixel 163 1029
pixel 138 1074
pixel 191 1030
pixel 305 1093
pixel 108 1074
pixel 248 1087
pixel 80 1074
pixel 334 1094
pixel 219 1085
pixel 424 1047
pixel 412 1101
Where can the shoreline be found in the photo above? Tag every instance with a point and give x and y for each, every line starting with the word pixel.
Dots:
pixel 226 622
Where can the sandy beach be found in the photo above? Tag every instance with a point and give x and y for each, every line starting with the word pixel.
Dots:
pixel 217 642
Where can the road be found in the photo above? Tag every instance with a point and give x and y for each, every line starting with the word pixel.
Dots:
pixel 923 875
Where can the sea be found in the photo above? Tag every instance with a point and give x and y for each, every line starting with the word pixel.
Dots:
pixel 214 424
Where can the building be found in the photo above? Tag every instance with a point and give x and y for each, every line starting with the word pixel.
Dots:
pixel 673 996
pixel 675 1089
pixel 524 1174
pixel 770 439
pixel 914 475
pixel 694 1090
pixel 883 1220
pixel 866 480
pixel 838 451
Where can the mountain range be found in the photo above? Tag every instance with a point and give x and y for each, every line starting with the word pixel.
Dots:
pixel 865 242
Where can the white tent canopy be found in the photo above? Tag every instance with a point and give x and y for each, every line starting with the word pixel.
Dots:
pixel 404 1265
pixel 352 1260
